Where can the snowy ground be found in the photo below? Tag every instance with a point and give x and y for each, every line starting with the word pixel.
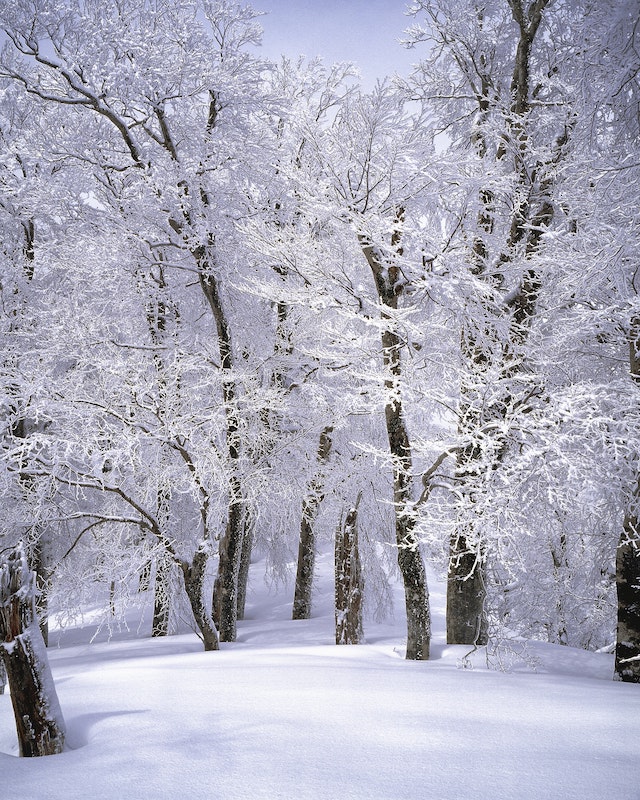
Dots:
pixel 284 713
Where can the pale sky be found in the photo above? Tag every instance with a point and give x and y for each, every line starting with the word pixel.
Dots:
pixel 363 31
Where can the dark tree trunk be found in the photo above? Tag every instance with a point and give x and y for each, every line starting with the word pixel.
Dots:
pixel 39 723
pixel 307 542
pixel 466 595
pixel 409 558
pixel 38 549
pixel 161 597
pixel 306 561
pixel 388 281
pixel 161 588
pixel 194 577
pixel 225 594
pixel 627 665
pixel 144 578
pixel 225 590
pixel 559 633
pixel 39 561
pixel 245 562
pixel 160 312
pixel 416 603
pixel 38 554
pixel 349 583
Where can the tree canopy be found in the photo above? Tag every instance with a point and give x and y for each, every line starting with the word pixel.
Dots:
pixel 247 304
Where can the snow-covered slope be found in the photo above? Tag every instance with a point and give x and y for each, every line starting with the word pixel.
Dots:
pixel 284 713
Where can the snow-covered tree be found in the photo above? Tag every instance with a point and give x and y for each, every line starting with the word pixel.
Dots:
pixel 535 176
pixel 160 100
pixel 39 722
pixel 357 183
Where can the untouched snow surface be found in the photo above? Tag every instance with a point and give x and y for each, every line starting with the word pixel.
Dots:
pixel 284 713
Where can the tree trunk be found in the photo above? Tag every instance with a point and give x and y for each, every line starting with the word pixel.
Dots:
pixel 559 635
pixel 160 312
pixel 416 603
pixel 39 560
pixel 225 590
pixel 307 543
pixel 306 561
pixel 466 595
pixel 161 597
pixel 161 588
pixel 245 562
pixel 388 283
pixel 409 558
pixel 39 723
pixel 194 576
pixel 38 548
pixel 144 578
pixel 225 594
pixel 348 581
pixel 627 665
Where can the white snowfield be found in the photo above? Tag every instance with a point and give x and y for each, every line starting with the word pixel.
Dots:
pixel 284 713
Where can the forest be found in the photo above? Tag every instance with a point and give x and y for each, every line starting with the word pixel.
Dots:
pixel 250 310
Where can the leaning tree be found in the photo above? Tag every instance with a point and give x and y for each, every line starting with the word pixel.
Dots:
pixel 39 722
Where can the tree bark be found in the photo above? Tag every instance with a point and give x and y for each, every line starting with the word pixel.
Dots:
pixel 39 545
pixel 307 543
pixel 306 561
pixel 409 557
pixel 627 663
pixel 225 594
pixel 160 312
pixel 40 561
pixel 225 591
pixel 194 576
pixel 161 597
pixel 466 595
pixel 161 587
pixel 39 722
pixel 39 555
pixel 245 562
pixel 388 285
pixel 349 584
